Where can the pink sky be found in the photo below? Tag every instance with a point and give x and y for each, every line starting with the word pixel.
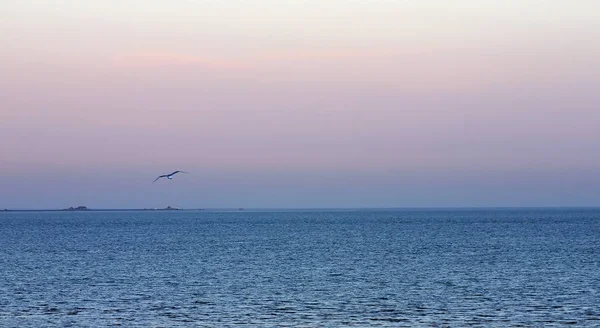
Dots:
pixel 300 103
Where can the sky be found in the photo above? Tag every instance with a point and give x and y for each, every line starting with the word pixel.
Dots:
pixel 299 103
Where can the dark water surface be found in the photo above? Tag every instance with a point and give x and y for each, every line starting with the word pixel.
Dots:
pixel 409 268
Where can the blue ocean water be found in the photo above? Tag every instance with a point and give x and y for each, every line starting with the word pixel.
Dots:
pixel 436 268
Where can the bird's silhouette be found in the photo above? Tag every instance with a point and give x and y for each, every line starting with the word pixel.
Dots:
pixel 169 176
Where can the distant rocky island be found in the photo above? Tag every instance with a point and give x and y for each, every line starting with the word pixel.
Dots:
pixel 168 208
pixel 78 208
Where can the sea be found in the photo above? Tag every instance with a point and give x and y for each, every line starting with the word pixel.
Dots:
pixel 301 268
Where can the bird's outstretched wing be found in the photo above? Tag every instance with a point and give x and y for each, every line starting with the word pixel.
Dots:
pixel 162 176
pixel 178 172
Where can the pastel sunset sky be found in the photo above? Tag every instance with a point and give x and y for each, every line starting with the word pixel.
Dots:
pixel 299 103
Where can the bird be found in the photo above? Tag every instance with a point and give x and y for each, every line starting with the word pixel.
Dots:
pixel 169 176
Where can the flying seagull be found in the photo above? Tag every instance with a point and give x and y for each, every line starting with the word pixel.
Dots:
pixel 169 176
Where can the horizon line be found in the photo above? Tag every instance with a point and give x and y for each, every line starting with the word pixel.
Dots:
pixel 241 209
